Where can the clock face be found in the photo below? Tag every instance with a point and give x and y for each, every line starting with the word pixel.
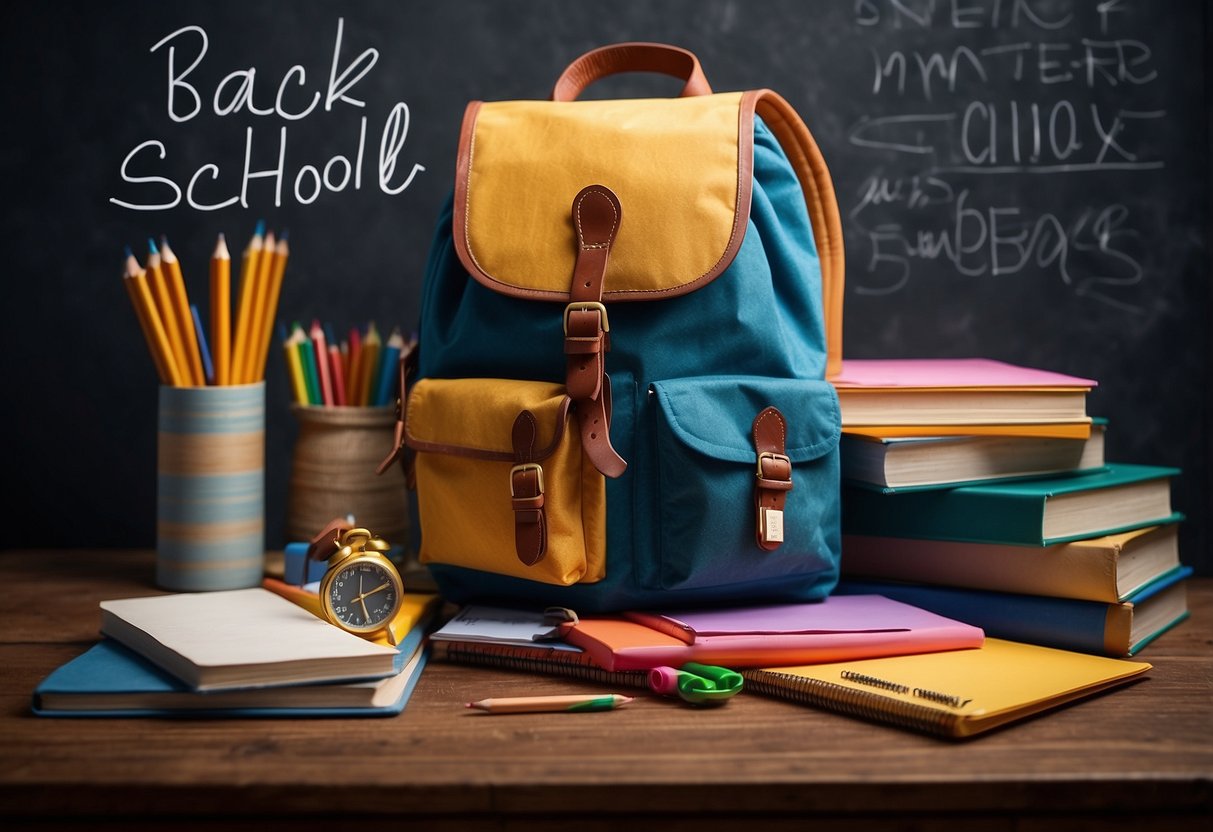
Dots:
pixel 363 596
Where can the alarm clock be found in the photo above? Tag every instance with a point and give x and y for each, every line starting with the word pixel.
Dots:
pixel 361 590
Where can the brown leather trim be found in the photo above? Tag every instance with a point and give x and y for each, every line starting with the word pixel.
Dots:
pixel 802 151
pixel 495 456
pixel 635 56
pixel 741 215
pixel 773 478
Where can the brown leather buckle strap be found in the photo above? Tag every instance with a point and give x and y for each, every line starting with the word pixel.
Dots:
pixel 399 453
pixel 526 493
pixel 596 218
pixel 773 478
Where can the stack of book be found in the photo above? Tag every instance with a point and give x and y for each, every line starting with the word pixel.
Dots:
pixel 247 652
pixel 980 490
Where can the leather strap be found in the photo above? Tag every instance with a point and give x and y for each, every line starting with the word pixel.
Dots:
pixel 400 452
pixel 526 492
pixel 327 540
pixel 596 218
pixel 631 57
pixel 773 479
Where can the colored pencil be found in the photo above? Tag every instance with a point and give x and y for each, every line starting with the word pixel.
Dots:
pixel 321 349
pixel 249 271
pixel 336 368
pixel 353 369
pixel 293 365
pixel 370 365
pixel 135 279
pixel 572 703
pixel 221 311
pixel 164 308
pixel 307 357
pixel 388 367
pixel 204 353
pixel 282 253
pixel 175 282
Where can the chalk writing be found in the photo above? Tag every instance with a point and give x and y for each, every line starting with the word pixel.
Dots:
pixel 213 186
pixel 1009 91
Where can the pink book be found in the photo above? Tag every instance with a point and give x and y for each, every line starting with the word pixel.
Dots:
pixel 948 373
pixel 836 629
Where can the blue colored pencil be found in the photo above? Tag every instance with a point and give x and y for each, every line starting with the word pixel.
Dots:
pixel 387 368
pixel 207 367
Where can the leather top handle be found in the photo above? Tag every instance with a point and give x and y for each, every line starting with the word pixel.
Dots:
pixel 631 57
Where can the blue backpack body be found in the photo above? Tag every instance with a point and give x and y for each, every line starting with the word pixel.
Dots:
pixel 690 373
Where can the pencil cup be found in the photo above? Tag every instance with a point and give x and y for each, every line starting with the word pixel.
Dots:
pixel 210 488
pixel 333 472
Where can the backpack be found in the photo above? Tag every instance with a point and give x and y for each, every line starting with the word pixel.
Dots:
pixel 629 312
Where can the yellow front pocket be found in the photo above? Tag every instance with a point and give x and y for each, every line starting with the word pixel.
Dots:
pixel 502 483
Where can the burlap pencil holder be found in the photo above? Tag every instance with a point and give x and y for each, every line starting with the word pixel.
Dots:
pixel 333 472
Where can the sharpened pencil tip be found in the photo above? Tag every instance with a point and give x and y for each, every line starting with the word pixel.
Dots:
pixel 126 252
pixel 151 246
pixel 259 231
pixel 285 235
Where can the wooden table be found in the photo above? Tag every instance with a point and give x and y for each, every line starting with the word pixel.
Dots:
pixel 1139 758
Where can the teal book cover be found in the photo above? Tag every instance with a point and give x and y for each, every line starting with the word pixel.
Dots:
pixel 110 680
pixel 1034 512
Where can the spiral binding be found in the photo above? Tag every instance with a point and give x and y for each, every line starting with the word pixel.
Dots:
pixel 941 698
pixel 560 663
pixel 865 679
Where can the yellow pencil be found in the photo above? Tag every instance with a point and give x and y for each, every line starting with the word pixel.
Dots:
pixel 181 309
pixel 295 367
pixel 158 284
pixel 370 364
pixel 249 271
pixel 261 290
pixel 145 309
pixel 282 253
pixel 221 311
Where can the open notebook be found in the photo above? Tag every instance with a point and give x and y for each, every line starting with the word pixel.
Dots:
pixel 953 694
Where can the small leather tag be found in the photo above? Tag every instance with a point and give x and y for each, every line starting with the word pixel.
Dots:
pixel 771 525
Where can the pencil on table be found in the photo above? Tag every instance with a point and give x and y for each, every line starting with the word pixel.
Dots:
pixel 294 368
pixel 164 308
pixel 204 353
pixel 175 282
pixel 282 253
pixel 321 349
pixel 149 321
pixel 249 269
pixel 221 311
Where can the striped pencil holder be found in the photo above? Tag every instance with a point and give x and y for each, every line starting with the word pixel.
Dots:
pixel 210 487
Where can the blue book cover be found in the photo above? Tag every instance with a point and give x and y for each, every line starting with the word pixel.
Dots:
pixel 1065 623
pixel 110 680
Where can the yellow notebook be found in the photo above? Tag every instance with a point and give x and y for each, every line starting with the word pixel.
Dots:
pixel 953 694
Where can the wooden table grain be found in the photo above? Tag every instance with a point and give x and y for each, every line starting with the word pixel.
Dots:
pixel 1139 757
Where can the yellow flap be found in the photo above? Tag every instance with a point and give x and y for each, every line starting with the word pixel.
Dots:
pixel 682 169
pixel 475 416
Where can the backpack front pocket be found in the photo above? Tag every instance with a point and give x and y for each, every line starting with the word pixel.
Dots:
pixel 502 483
pixel 730 509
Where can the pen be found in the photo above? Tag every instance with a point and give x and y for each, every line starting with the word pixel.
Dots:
pixel 534 704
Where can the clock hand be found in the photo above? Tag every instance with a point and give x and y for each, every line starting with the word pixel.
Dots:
pixel 382 586
pixel 366 615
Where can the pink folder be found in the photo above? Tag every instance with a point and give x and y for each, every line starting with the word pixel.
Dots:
pixel 837 629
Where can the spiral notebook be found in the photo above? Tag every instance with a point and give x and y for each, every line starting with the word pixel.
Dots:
pixel 954 694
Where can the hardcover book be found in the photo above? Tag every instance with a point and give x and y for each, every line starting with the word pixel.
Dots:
pixel 953 694
pixel 1109 629
pixel 1037 512
pixel 956 391
pixel 240 638
pixel 901 463
pixel 1109 568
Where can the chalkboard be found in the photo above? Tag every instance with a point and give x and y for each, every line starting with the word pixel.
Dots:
pixel 1026 180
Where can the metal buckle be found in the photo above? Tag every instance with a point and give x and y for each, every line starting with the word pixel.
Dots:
pixel 587 306
pixel 526 466
pixel 774 457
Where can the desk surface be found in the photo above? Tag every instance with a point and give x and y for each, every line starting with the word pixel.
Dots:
pixel 1140 755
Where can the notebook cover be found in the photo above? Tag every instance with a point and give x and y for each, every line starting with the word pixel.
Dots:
pixel 952 694
pixel 621 644
pixel 949 373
